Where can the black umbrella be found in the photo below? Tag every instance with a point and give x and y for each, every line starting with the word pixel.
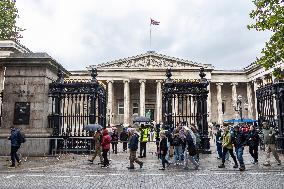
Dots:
pixel 141 119
pixel 93 127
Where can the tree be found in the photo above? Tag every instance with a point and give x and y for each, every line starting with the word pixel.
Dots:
pixel 8 15
pixel 269 16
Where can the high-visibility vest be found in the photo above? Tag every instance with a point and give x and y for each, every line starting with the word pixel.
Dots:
pixel 144 135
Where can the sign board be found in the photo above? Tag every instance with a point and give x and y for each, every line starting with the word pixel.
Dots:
pixel 22 113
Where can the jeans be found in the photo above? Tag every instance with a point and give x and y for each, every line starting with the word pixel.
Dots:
pixel 178 153
pixel 143 149
pixel 239 152
pixel 225 150
pixel 253 150
pixel 219 149
pixel 106 161
pixel 124 146
pixel 114 147
pixel 14 154
pixel 164 161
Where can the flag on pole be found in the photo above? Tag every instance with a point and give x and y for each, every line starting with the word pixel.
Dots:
pixel 153 22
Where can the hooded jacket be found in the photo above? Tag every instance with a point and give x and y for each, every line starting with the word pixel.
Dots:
pixel 106 140
pixel 15 138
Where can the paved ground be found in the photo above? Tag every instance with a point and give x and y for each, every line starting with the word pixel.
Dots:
pixel 73 171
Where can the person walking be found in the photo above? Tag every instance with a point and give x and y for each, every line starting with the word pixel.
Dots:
pixel 105 147
pixel 163 150
pixel 124 139
pixel 269 141
pixel 114 141
pixel 239 141
pixel 143 140
pixel 177 143
pixel 191 151
pixel 253 141
pixel 98 146
pixel 198 141
pixel 133 146
pixel 218 136
pixel 16 139
pixel 227 146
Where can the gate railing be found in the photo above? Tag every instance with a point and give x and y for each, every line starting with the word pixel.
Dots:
pixel 185 103
pixel 270 108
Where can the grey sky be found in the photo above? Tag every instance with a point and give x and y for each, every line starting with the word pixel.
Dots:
pixel 87 32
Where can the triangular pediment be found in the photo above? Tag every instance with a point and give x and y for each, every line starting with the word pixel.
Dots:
pixel 150 60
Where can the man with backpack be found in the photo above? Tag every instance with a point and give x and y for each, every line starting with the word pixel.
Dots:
pixel 191 149
pixel 133 146
pixel 17 137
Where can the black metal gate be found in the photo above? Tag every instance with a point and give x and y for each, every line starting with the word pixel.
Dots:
pixel 270 108
pixel 185 103
pixel 74 105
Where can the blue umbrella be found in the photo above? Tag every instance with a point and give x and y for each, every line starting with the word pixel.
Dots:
pixel 93 127
pixel 141 119
pixel 240 121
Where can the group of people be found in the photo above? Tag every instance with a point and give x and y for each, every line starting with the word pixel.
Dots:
pixel 227 140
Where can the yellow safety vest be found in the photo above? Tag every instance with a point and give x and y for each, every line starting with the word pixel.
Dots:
pixel 144 135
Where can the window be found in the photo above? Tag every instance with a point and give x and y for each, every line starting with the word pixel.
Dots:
pixel 223 106
pixel 135 108
pixel 120 105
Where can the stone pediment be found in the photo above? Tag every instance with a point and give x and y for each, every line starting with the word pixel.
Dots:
pixel 150 60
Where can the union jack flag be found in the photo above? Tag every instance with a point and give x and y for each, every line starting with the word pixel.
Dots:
pixel 153 22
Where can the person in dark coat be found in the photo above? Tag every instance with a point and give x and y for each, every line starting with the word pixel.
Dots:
pixel 218 136
pixel 15 146
pixel 133 146
pixel 124 139
pixel 239 141
pixel 114 141
pixel 163 150
pixel 253 141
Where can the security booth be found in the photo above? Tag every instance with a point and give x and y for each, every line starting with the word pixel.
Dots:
pixel 74 105
pixel 185 103
pixel 270 108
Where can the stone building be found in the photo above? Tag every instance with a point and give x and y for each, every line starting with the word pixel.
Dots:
pixel 134 84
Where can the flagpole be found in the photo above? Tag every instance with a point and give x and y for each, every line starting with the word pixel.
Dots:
pixel 150 37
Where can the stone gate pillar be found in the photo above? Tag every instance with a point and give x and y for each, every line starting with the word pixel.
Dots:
pixel 26 103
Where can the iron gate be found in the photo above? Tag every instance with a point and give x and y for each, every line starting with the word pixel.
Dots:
pixel 185 103
pixel 74 105
pixel 270 108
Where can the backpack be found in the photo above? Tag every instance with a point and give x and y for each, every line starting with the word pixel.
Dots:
pixel 176 141
pixel 21 137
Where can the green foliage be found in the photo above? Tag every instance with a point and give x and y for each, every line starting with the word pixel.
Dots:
pixel 8 16
pixel 269 16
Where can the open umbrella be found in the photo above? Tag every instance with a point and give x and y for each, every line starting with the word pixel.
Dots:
pixel 141 119
pixel 93 127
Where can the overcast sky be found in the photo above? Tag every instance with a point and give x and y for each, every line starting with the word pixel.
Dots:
pixel 78 33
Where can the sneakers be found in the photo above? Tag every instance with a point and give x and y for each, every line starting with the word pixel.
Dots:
pixel 141 165
pixel 130 167
pixel 221 166
pixel 20 163
pixel 279 163
pixel 242 168
pixel 266 164
pixel 91 161
pixel 162 169
pixel 235 166
pixel 12 167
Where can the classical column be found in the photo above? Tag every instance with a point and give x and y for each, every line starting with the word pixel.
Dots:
pixel 159 101
pixel 249 96
pixel 234 96
pixel 126 101
pixel 255 86
pixel 219 101
pixel 209 104
pixel 109 100
pixel 142 97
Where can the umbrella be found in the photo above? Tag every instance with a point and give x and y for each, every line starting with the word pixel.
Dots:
pixel 93 127
pixel 141 119
pixel 240 121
